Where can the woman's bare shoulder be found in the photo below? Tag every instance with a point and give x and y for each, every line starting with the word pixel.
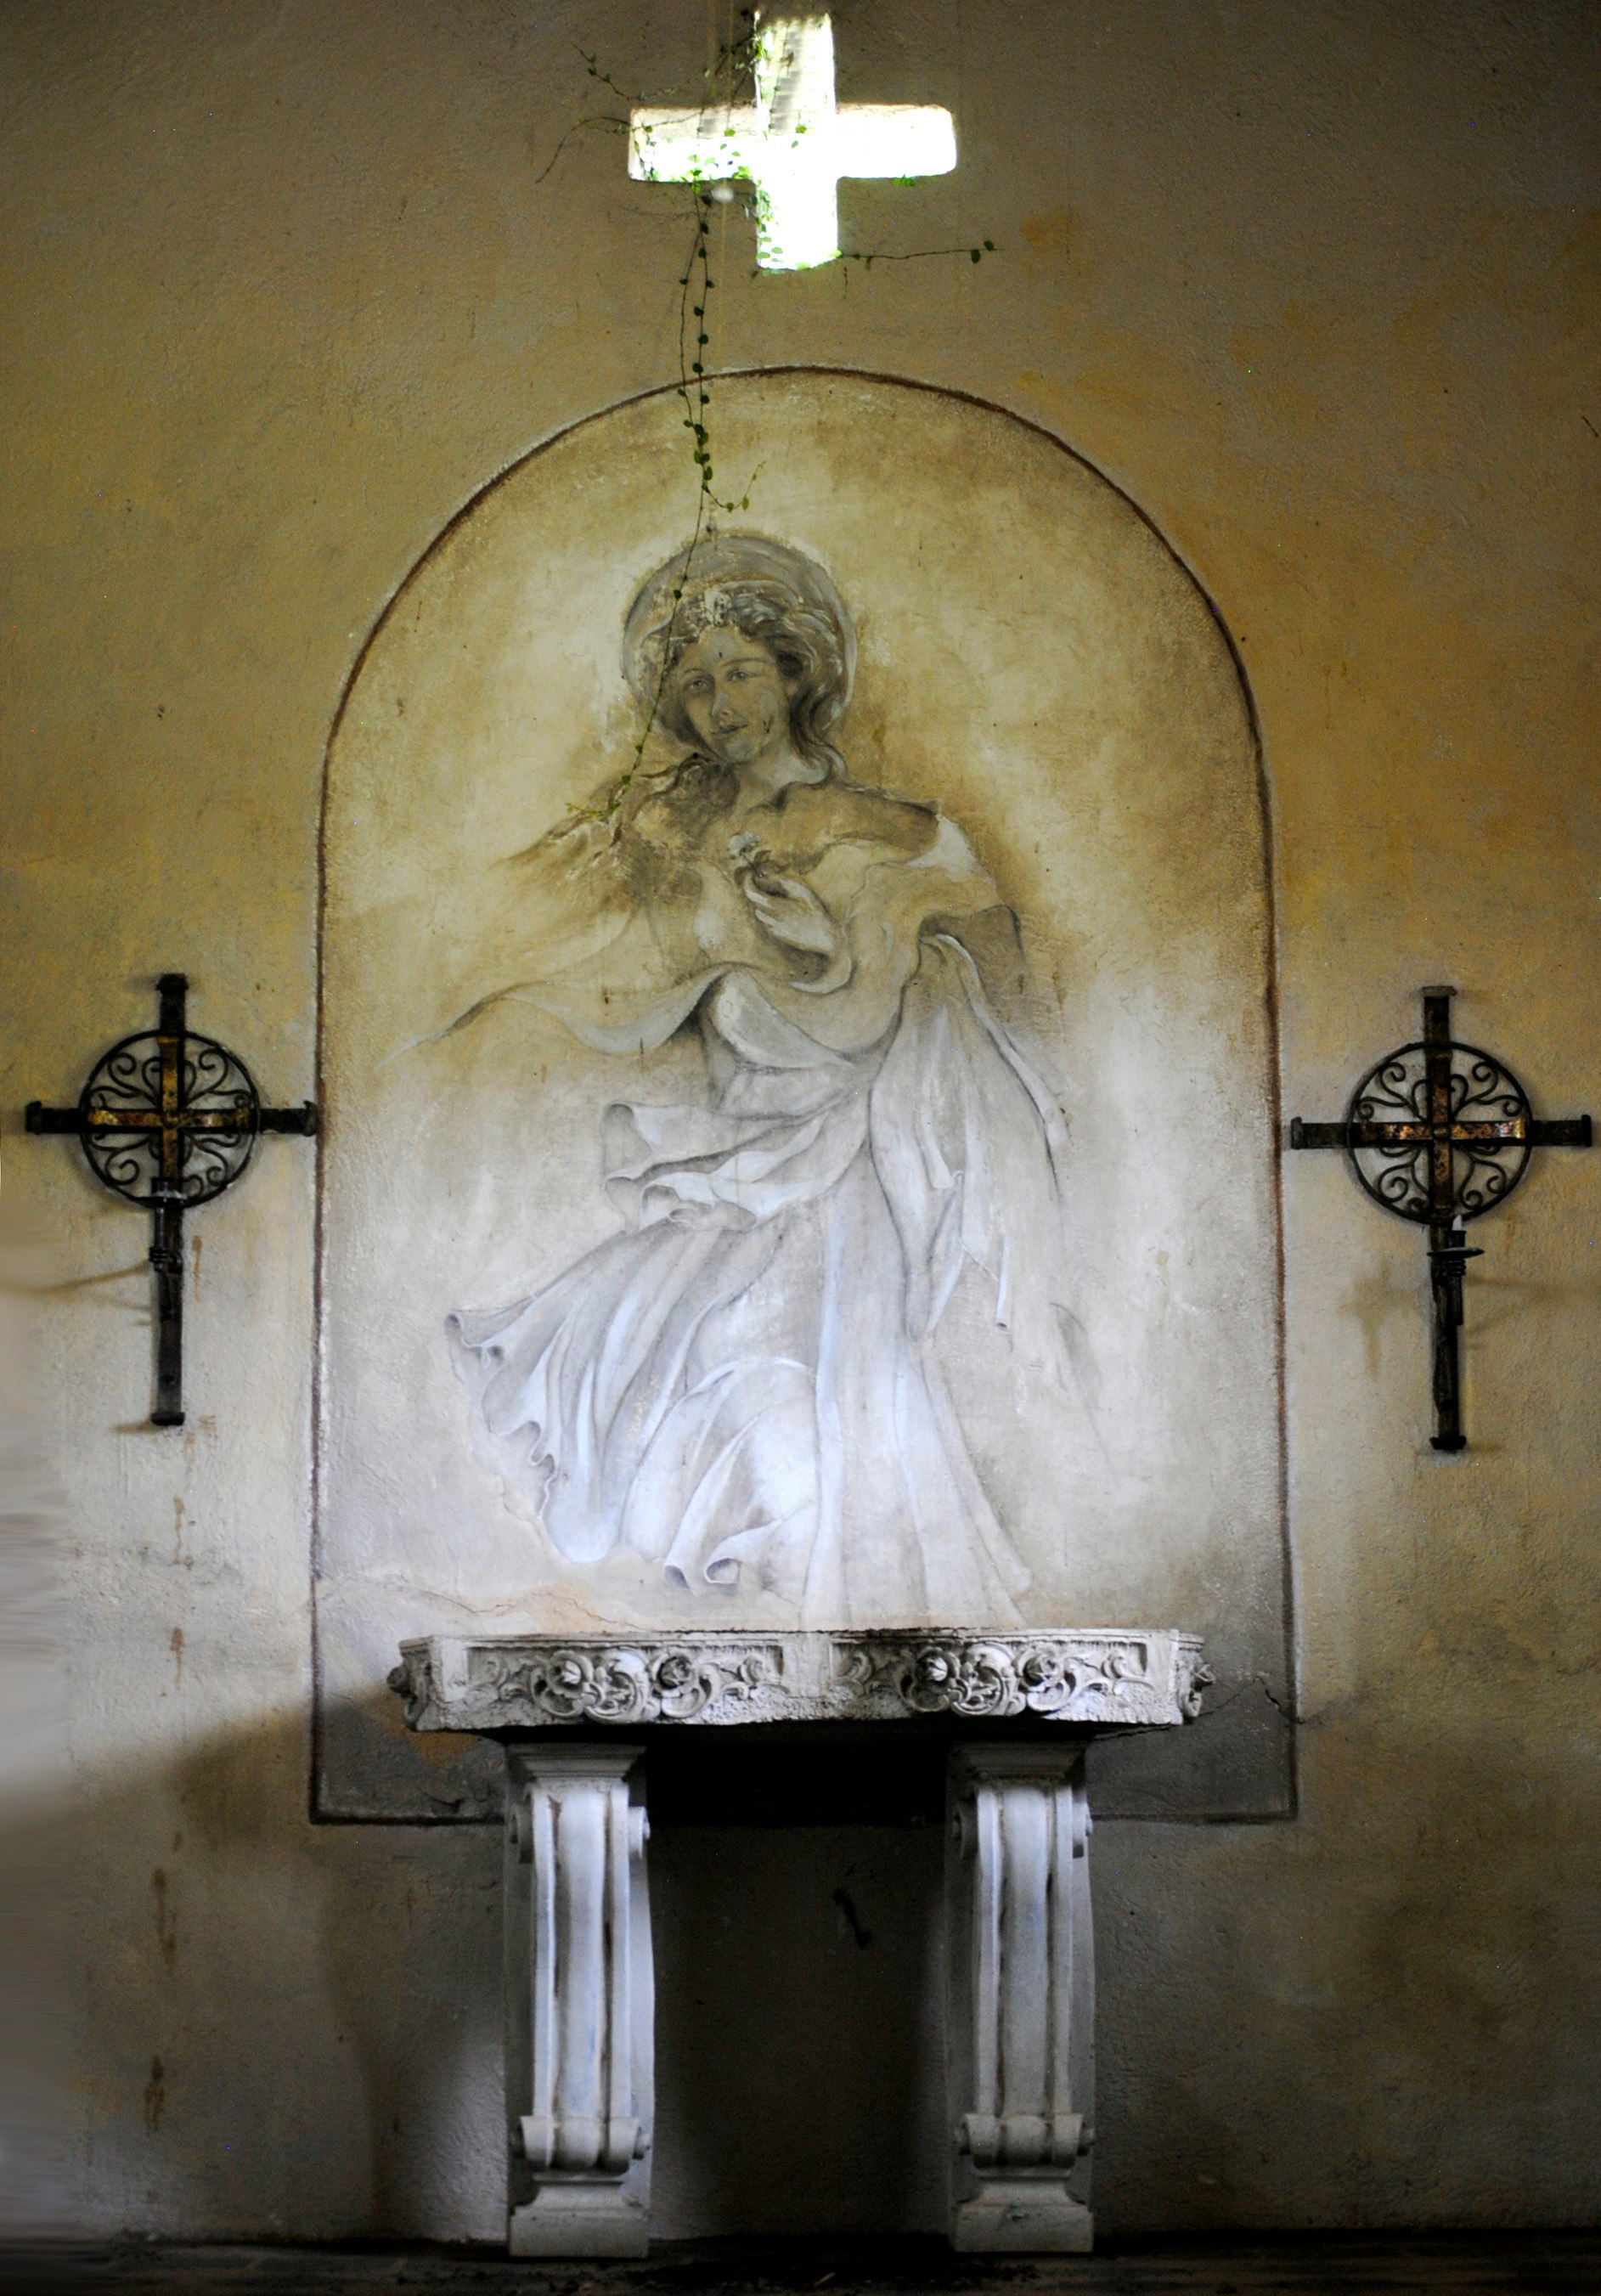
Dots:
pixel 814 816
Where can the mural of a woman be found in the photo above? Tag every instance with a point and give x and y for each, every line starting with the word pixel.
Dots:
pixel 741 1385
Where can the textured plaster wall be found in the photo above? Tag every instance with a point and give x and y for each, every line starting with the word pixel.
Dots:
pixel 1318 285
pixel 1041 666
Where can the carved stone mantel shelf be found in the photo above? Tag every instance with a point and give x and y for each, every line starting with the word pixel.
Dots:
pixel 1020 1977
pixel 1094 1678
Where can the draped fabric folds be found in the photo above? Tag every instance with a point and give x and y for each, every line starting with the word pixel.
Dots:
pixel 741 1385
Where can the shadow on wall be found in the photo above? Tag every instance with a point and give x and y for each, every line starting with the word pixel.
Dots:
pixel 282 2029
pixel 291 2029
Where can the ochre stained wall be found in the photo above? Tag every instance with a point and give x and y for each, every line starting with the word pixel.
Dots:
pixel 1318 286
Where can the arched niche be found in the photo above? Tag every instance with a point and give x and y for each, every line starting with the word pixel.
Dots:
pixel 1037 663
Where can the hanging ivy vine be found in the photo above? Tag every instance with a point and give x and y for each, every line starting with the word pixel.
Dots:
pixel 726 79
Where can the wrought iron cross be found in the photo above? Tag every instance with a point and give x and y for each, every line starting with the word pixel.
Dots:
pixel 1442 1133
pixel 168 1120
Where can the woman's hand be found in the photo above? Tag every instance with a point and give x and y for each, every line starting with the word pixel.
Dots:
pixel 792 912
pixel 788 909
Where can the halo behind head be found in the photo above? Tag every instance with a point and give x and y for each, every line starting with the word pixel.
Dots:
pixel 769 590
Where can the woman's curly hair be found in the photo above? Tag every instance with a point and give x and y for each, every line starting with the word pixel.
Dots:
pixel 770 592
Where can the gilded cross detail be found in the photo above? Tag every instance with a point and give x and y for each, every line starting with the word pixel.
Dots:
pixel 167 1120
pixel 1441 1133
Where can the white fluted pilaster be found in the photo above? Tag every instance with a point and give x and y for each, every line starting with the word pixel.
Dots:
pixel 1022 2000
pixel 579 1994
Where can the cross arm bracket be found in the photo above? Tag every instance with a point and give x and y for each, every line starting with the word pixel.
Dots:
pixel 302 1120
pixel 38 1118
pixel 1561 1132
pixel 1539 1132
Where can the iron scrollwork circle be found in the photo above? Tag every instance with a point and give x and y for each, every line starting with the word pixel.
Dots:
pixel 213 1083
pixel 1484 1172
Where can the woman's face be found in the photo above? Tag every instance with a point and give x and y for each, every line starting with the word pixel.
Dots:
pixel 735 695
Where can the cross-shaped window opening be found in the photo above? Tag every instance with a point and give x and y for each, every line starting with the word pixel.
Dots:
pixel 793 144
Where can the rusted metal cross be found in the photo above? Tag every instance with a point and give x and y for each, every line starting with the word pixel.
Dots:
pixel 1441 1133
pixel 168 1120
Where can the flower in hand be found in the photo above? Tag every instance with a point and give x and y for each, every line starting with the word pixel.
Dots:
pixel 788 909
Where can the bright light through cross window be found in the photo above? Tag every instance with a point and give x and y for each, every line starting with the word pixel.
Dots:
pixel 793 144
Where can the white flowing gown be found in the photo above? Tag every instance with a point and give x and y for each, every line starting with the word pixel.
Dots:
pixel 740 1385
